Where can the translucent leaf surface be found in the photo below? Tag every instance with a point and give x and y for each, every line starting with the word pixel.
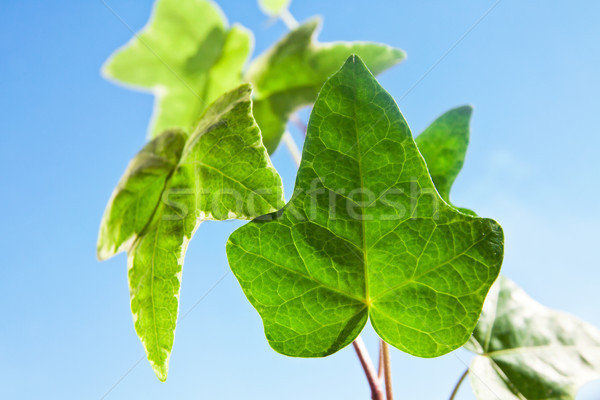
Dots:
pixel 290 74
pixel 528 351
pixel 186 56
pixel 222 171
pixel 365 235
pixel 138 192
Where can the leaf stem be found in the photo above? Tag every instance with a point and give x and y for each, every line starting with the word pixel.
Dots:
pixel 367 365
pixel 387 370
pixel 460 381
pixel 291 23
pixel 288 19
pixel 380 366
pixel 292 147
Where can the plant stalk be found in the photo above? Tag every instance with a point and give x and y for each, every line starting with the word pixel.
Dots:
pixel 380 366
pixel 460 381
pixel 288 19
pixel 292 147
pixel 291 23
pixel 387 369
pixel 367 365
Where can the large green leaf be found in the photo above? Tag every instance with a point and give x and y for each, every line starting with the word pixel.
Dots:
pixel 222 172
pixel 290 74
pixel 365 235
pixel 443 145
pixel 528 351
pixel 186 56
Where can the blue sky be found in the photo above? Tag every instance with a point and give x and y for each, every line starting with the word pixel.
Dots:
pixel 529 68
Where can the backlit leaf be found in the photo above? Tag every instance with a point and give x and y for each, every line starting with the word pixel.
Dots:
pixel 290 74
pixel 186 56
pixel 222 172
pixel 138 192
pixel 528 351
pixel 365 235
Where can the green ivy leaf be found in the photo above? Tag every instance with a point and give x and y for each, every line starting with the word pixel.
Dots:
pixel 528 351
pixel 134 200
pixel 290 74
pixel 365 235
pixel 222 172
pixel 443 145
pixel 273 7
pixel 185 56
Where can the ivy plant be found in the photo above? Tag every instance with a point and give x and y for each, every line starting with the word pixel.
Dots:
pixel 370 232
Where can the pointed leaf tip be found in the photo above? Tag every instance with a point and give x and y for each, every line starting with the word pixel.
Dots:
pixel 161 371
pixel 443 145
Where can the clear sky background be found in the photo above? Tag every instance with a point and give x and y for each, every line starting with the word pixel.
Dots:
pixel 530 68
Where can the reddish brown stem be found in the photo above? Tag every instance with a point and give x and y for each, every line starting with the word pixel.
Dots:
pixel 367 365
pixel 460 381
pixel 380 366
pixel 387 370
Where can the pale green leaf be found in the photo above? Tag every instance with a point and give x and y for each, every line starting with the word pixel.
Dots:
pixel 222 172
pixel 290 74
pixel 443 145
pixel 274 7
pixel 186 56
pixel 365 235
pixel 138 192
pixel 528 351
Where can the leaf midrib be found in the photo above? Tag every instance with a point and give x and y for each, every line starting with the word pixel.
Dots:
pixel 365 259
pixel 154 323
